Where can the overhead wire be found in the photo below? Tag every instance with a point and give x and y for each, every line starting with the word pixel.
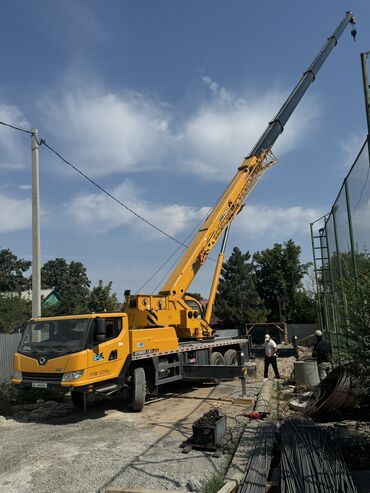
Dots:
pixel 178 256
pixel 170 257
pixel 16 128
pixel 129 209
pixel 43 142
pixel 99 187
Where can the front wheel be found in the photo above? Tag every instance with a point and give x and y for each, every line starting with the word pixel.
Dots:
pixel 78 400
pixel 138 389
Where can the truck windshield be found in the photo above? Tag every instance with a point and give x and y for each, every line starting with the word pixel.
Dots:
pixel 56 335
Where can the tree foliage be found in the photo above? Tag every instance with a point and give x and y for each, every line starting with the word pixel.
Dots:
pixel 71 282
pixel 354 320
pixel 279 275
pixel 237 301
pixel 12 272
pixel 101 299
pixel 14 313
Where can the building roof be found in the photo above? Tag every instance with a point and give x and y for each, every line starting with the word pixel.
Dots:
pixel 48 296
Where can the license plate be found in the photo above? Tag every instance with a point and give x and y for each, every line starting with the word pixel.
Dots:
pixel 39 385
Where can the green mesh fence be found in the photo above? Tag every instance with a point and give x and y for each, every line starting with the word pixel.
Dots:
pixel 341 247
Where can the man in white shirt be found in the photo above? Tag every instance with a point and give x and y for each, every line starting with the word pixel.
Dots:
pixel 270 357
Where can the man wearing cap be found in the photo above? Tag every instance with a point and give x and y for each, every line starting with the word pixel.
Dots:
pixel 270 357
pixel 322 353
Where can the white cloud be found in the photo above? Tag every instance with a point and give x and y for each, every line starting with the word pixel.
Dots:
pixel 15 214
pixel 107 132
pixel 361 221
pixel 12 142
pixel 351 147
pixel 221 133
pixel 276 222
pixel 99 212
pixel 219 92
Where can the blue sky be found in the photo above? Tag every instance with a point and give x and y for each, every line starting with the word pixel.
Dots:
pixel 159 102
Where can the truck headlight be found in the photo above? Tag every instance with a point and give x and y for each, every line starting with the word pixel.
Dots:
pixel 73 375
pixel 17 375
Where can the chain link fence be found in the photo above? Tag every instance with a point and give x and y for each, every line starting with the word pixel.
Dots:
pixel 341 246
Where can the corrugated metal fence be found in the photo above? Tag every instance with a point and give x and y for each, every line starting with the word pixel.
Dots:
pixel 8 346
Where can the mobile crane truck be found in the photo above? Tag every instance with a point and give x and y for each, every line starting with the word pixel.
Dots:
pixel 160 338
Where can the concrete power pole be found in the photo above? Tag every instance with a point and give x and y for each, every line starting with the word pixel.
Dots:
pixel 36 273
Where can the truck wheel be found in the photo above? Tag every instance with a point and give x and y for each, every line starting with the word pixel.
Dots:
pixel 231 357
pixel 77 399
pixel 138 389
pixel 218 360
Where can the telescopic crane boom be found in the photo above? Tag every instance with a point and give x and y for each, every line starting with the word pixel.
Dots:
pixel 170 307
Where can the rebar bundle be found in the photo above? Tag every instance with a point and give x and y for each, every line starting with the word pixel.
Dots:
pixel 312 459
pixel 258 466
pixel 334 396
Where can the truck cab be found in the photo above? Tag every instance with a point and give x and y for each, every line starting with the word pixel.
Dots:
pixel 73 351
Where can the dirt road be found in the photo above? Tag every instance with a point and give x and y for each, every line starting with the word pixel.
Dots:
pixel 110 446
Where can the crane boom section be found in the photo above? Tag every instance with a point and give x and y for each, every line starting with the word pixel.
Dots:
pixel 231 202
pixel 245 179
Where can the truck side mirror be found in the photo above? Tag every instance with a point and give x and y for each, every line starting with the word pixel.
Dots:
pixel 101 330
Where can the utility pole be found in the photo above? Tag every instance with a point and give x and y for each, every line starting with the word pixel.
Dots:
pixel 36 273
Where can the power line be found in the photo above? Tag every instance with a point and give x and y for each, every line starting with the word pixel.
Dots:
pixel 181 244
pixel 43 142
pixel 16 128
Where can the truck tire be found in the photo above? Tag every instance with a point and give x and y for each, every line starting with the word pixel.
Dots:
pixel 138 389
pixel 217 359
pixel 77 399
pixel 231 357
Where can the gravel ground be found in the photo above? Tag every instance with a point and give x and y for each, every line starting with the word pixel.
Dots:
pixel 55 449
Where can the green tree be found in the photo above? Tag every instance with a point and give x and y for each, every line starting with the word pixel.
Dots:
pixel 14 312
pixel 304 307
pixel 354 320
pixel 70 282
pixel 101 299
pixel 353 310
pixel 279 275
pixel 12 271
pixel 237 301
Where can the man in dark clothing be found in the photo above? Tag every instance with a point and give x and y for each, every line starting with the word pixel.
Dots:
pixel 323 355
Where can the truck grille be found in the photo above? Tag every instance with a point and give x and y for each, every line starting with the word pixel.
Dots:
pixel 41 377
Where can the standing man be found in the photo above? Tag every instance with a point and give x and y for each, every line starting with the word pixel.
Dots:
pixel 323 355
pixel 270 357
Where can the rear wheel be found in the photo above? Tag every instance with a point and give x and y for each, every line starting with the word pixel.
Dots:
pixel 231 357
pixel 217 359
pixel 138 389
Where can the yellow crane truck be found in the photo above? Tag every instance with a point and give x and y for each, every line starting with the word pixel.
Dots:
pixel 160 338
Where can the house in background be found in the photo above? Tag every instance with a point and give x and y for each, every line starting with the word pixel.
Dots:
pixel 49 297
